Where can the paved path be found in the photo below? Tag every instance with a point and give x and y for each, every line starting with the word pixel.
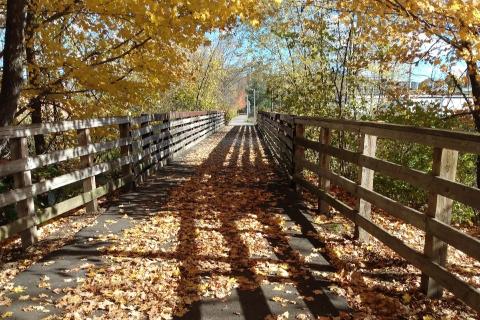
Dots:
pixel 241 120
pixel 218 234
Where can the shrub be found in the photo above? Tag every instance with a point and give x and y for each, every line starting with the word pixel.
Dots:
pixel 419 156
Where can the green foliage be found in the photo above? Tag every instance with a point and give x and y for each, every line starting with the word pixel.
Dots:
pixel 418 156
pixel 213 81
pixel 230 114
pixel 8 213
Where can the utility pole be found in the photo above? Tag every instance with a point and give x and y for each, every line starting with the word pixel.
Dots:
pixel 254 108
pixel 409 81
pixel 271 99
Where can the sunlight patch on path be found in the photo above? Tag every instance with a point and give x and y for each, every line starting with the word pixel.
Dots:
pixel 218 244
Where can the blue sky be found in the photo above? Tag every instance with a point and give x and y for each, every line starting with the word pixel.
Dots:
pixel 420 72
pixel 426 71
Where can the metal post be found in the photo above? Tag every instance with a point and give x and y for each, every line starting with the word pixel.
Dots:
pixel 254 108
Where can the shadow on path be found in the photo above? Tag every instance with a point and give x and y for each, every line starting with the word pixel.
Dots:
pixel 239 239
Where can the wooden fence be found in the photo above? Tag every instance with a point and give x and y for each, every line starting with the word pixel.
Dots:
pixel 285 137
pixel 143 144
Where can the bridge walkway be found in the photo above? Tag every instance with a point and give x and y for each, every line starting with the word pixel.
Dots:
pixel 217 234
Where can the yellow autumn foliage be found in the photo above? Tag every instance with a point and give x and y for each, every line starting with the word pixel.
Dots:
pixel 97 57
pixel 411 26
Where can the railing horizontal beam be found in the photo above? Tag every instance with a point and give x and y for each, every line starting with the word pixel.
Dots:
pixel 440 184
pixel 159 138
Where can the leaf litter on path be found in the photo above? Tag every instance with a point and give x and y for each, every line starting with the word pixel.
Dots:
pixel 214 233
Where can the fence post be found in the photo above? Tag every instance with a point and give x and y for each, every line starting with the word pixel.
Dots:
pixel 216 121
pixel 24 208
pixel 89 184
pixel 368 147
pixel 125 151
pixel 298 152
pixel 172 116
pixel 324 163
pixel 143 163
pixel 440 208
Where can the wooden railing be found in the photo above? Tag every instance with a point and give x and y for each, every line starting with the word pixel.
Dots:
pixel 285 137
pixel 278 132
pixel 143 144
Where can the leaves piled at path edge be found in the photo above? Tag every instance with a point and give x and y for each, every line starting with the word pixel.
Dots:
pixel 377 282
pixel 210 237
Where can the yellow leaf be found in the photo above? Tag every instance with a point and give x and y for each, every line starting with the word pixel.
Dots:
pixel 18 289
pixel 7 314
pixel 255 22
pixel 406 298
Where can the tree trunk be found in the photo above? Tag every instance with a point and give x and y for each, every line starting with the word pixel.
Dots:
pixel 12 62
pixel 33 80
pixel 40 142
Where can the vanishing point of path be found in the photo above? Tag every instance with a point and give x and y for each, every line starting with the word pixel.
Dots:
pixel 218 234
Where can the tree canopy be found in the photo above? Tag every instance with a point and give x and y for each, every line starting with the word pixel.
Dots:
pixel 76 59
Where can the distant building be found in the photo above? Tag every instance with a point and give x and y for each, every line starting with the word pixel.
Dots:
pixel 454 102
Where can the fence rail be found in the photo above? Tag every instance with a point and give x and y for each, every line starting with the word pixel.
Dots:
pixel 144 143
pixel 285 137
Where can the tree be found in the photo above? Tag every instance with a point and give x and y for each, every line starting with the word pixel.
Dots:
pixel 215 82
pixel 440 32
pixel 96 58
pixel 12 61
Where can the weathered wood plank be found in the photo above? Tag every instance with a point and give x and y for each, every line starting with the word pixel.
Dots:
pixel 19 225
pixel 25 207
pixel 125 151
pixel 451 189
pixel 159 156
pixel 455 140
pixel 274 150
pixel 459 288
pixel 89 184
pixel 367 147
pixel 173 126
pixel 298 153
pixel 282 127
pixel 445 232
pixel 138 166
pixel 179 142
pixel 62 155
pixel 282 154
pixel 440 186
pixel 270 143
pixel 53 127
pixel 47 128
pixel 20 194
pixel 274 126
pixel 390 206
pixel 324 164
pixel 201 132
pixel 35 162
pixel 454 237
pixel 445 166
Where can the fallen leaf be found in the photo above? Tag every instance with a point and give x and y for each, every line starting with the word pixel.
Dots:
pixel 18 289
